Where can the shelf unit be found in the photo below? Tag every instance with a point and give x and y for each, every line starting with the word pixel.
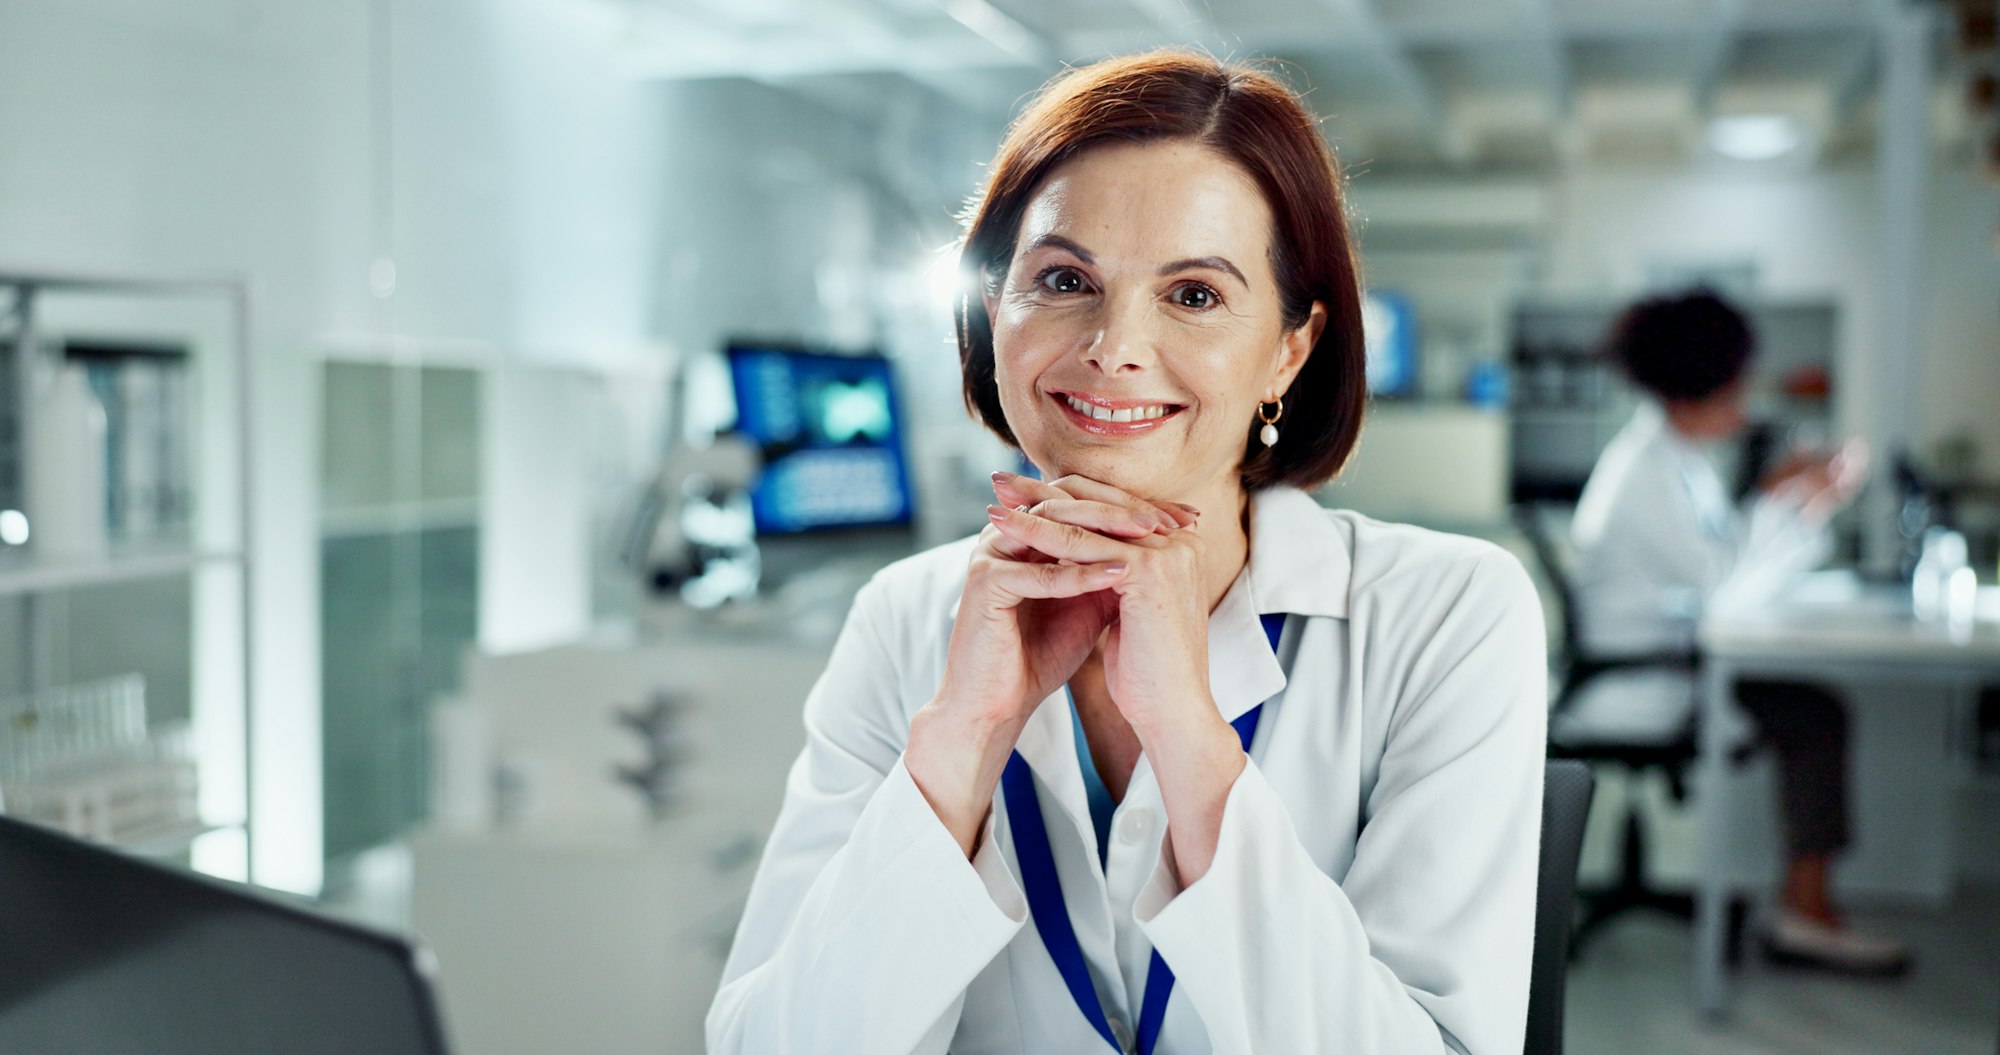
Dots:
pixel 220 709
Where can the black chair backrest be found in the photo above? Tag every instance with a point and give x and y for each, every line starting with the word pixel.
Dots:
pixel 1532 521
pixel 1566 791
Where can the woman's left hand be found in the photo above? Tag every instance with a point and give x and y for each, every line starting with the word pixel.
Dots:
pixel 1155 651
pixel 1156 646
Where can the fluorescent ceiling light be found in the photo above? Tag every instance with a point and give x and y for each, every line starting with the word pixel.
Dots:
pixel 998 28
pixel 1755 137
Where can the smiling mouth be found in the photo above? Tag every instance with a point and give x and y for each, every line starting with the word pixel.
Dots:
pixel 1115 417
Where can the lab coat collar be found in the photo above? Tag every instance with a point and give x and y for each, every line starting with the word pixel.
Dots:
pixel 1649 422
pixel 1299 559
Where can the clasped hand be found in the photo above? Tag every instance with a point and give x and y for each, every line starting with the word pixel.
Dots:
pixel 1064 567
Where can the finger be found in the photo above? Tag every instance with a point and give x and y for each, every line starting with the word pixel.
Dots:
pixel 1017 491
pixel 1116 521
pixel 1012 580
pixel 1062 541
pixel 1000 545
pixel 1085 487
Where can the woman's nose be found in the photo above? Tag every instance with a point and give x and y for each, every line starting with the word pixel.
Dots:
pixel 1124 343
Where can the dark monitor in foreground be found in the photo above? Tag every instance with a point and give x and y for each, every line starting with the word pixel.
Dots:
pixel 831 435
pixel 101 954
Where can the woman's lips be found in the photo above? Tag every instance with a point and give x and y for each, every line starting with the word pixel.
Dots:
pixel 1099 426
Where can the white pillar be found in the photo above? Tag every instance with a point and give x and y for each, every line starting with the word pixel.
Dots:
pixel 1902 165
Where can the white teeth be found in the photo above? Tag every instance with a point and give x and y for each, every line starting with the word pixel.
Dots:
pixel 1128 414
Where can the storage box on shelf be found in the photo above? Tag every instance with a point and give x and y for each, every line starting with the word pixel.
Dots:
pixel 81 759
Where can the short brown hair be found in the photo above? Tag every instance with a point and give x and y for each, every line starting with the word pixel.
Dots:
pixel 1251 118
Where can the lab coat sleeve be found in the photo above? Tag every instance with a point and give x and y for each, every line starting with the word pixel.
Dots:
pixel 1774 543
pixel 1425 944
pixel 865 923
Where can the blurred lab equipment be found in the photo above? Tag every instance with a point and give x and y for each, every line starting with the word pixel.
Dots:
pixel 661 728
pixel 831 434
pixel 1943 585
pixel 1389 331
pixel 80 758
pixel 66 447
pixel 694 532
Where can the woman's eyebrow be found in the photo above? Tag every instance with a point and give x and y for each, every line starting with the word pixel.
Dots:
pixel 1213 263
pixel 1057 241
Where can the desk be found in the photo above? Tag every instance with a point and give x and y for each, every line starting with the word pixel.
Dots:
pixel 1831 628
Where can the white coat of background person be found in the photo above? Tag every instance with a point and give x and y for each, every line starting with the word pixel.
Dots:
pixel 1163 271
pixel 1658 543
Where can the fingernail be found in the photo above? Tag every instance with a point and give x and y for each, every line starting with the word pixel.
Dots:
pixel 995 513
pixel 1005 477
pixel 1167 523
pixel 1188 509
pixel 1108 570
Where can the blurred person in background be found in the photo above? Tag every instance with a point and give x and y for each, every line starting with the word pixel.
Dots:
pixel 1657 543
pixel 1168 757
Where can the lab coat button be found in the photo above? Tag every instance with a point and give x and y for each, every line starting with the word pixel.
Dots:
pixel 1122 1033
pixel 1135 826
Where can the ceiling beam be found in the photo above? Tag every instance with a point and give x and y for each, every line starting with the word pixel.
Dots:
pixel 1545 34
pixel 1361 24
pixel 1715 49
pixel 1185 23
pixel 1004 31
pixel 1638 30
pixel 1854 85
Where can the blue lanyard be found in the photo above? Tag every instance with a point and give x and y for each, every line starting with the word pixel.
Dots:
pixel 1045 897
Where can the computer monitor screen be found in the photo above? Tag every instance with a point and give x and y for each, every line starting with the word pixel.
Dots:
pixel 831 436
pixel 104 955
pixel 1389 332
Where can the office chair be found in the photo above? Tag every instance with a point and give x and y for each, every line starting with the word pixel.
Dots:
pixel 1670 758
pixel 1566 790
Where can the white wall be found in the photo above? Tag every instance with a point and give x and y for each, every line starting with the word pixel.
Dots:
pixel 216 137
pixel 540 208
pixel 196 138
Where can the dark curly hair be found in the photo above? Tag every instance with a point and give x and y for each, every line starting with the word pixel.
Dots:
pixel 1687 346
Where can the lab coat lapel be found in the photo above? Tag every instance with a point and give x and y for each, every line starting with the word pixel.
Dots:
pixel 1048 745
pixel 1242 671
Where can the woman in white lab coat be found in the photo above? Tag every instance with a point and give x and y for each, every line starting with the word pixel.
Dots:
pixel 1658 542
pixel 1168 758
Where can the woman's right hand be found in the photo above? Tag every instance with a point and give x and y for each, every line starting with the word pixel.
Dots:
pixel 1820 482
pixel 1024 626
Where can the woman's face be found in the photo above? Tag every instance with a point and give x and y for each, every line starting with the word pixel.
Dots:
pixel 1715 418
pixel 1141 291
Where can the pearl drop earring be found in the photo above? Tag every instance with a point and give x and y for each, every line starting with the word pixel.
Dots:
pixel 1269 433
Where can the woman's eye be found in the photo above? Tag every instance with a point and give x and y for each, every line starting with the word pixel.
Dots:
pixel 1061 280
pixel 1195 296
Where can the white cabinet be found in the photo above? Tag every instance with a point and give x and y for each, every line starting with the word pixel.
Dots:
pixel 586 927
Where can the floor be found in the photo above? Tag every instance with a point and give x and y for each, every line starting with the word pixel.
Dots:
pixel 1632 992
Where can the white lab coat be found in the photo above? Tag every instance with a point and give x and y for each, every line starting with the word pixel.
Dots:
pixel 1373 887
pixel 1657 544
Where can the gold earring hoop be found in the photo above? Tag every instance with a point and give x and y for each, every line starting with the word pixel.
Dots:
pixel 1269 433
